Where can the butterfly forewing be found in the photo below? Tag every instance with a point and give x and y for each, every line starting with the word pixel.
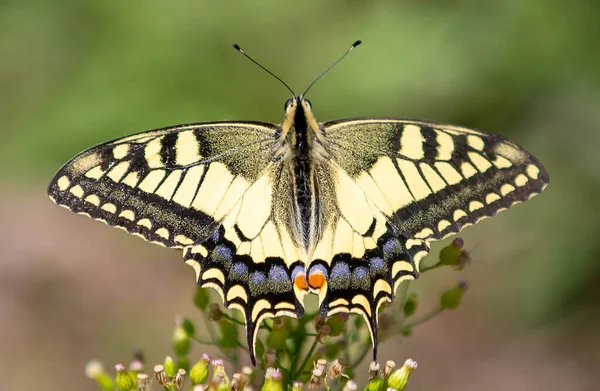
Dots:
pixel 172 186
pixel 431 180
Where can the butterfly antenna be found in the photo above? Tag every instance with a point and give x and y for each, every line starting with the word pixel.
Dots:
pixel 355 44
pixel 239 49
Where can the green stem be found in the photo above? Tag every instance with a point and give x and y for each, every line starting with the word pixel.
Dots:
pixel 424 268
pixel 424 318
pixel 308 356
pixel 347 344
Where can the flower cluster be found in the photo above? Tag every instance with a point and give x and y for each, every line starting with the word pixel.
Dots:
pixel 312 353
pixel 210 375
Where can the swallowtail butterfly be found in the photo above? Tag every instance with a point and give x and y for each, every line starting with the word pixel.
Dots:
pixel 267 213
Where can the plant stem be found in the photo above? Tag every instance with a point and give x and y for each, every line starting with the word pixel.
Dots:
pixel 424 318
pixel 307 358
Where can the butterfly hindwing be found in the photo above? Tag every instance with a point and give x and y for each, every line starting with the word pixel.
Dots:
pixel 252 261
pixel 431 180
pixel 171 186
pixel 361 258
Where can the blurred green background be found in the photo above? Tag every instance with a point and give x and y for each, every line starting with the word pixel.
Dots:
pixel 77 73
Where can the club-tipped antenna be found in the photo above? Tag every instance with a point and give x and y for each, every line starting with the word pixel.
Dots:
pixel 239 49
pixel 355 44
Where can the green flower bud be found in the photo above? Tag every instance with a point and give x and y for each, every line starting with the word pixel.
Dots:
pixel 189 327
pixel 181 339
pixel 229 334
pixel 94 370
pixel 170 368
pixel 336 324
pixel 453 255
pixel 123 380
pixel 220 381
pixel 201 298
pixel 278 336
pixel 273 380
pixel 378 383
pixel 410 305
pixel 450 299
pixel 406 331
pixel 399 378
pixel 199 372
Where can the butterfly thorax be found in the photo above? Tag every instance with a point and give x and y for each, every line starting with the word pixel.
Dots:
pixel 302 148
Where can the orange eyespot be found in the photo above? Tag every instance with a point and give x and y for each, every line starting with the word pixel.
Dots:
pixel 300 282
pixel 316 280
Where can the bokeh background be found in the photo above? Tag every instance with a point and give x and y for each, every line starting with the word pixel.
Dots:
pixel 76 73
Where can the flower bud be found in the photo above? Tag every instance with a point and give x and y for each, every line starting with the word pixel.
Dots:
pixel 169 365
pixel 399 378
pixel 136 366
pixel 273 380
pixel 336 369
pixel 316 380
pixel 179 378
pixel 181 339
pixel 220 381
pixel 453 255
pixel 350 386
pixel 199 372
pixel 214 312
pixel 376 384
pixel 236 382
pixel 123 380
pixel 201 298
pixel 160 375
pixel 451 299
pixel 94 370
pixel 297 386
pixel 389 368
pixel 410 305
pixel 246 376
pixel 320 364
pixel 373 370
pixel 142 381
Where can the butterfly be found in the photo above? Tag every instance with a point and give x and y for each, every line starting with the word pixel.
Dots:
pixel 267 213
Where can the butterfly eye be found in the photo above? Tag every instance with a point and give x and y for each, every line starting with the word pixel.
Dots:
pixel 308 103
pixel 287 105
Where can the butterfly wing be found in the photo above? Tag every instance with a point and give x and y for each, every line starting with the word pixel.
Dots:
pixel 252 260
pixel 394 185
pixel 361 258
pixel 209 189
pixel 431 180
pixel 171 186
